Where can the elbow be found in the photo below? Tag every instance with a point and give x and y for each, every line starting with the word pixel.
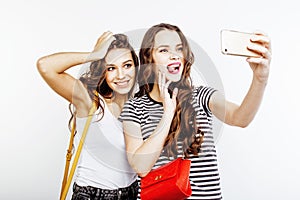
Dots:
pixel 40 64
pixel 142 174
pixel 241 123
pixel 139 171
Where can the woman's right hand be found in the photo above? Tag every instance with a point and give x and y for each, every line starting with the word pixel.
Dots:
pixel 168 102
pixel 102 45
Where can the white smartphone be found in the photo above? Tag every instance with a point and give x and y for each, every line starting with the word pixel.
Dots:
pixel 235 43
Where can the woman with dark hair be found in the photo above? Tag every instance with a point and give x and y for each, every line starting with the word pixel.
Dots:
pixel 170 118
pixel 109 82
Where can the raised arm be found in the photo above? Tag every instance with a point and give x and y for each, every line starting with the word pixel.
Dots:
pixel 143 154
pixel 53 70
pixel 242 115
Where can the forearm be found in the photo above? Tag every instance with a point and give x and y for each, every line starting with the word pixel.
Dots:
pixel 60 62
pixel 246 112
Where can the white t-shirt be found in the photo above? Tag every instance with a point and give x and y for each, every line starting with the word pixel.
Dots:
pixel 103 161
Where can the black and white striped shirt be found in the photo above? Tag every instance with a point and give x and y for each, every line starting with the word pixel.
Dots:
pixel 204 175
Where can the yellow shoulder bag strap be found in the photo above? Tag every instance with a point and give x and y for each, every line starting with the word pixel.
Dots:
pixel 68 178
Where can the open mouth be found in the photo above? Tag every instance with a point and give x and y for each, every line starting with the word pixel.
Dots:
pixel 173 68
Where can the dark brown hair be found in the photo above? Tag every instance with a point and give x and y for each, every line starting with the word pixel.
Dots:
pixel 184 121
pixel 94 78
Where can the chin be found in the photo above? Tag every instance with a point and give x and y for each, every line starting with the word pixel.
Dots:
pixel 174 78
pixel 122 91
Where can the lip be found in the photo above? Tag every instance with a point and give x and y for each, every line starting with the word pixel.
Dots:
pixel 174 68
pixel 123 84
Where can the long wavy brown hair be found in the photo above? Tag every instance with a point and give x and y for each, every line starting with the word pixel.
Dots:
pixel 183 126
pixel 94 78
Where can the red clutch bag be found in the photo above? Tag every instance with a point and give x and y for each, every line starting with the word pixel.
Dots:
pixel 170 181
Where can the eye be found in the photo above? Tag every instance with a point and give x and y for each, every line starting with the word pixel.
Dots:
pixel 127 66
pixel 179 49
pixel 110 68
pixel 163 50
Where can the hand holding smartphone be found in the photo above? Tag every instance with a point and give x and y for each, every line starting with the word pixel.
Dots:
pixel 235 43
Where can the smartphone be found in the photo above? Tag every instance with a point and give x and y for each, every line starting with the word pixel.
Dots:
pixel 235 43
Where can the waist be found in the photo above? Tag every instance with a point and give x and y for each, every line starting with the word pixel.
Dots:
pixel 120 193
pixel 94 173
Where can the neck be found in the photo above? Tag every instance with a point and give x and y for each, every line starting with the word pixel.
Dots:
pixel 119 99
pixel 155 93
pixel 115 104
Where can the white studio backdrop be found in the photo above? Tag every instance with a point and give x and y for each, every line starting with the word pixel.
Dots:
pixel 258 162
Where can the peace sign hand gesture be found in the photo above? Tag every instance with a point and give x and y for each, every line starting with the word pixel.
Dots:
pixel 168 102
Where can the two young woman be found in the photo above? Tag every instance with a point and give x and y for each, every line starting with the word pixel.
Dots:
pixel 170 118
pixel 108 82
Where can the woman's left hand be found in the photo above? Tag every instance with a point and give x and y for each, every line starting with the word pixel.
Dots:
pixel 261 44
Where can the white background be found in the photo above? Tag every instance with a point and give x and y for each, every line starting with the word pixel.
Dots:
pixel 258 162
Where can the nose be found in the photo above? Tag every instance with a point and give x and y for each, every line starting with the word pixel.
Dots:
pixel 120 73
pixel 174 56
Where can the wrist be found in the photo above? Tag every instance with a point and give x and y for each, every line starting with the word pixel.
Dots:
pixel 168 115
pixel 262 81
pixel 92 56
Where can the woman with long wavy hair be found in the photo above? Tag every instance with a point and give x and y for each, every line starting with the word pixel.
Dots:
pixel 170 118
pixel 103 171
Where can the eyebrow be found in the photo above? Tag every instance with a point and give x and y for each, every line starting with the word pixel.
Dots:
pixel 111 65
pixel 165 45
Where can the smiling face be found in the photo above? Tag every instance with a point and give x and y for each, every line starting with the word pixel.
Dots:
pixel 168 54
pixel 120 70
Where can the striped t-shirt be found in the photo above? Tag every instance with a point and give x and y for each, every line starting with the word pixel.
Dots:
pixel 204 175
